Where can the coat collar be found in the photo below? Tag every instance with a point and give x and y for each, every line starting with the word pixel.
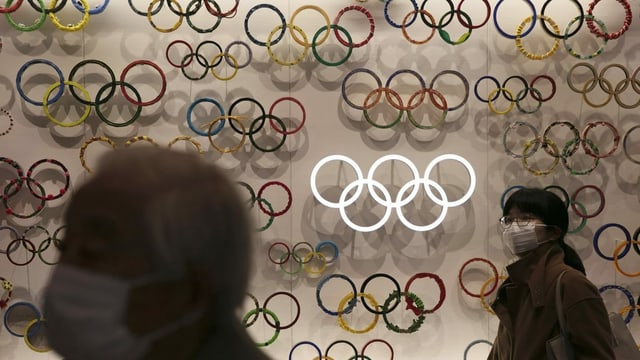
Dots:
pixel 533 270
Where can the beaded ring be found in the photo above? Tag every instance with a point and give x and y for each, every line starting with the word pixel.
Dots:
pixel 415 323
pixel 588 149
pixel 144 138
pixel 189 139
pixel 616 34
pixel 571 51
pixel 8 114
pixel 441 287
pixel 545 143
pixel 84 146
pixel 626 293
pixel 556 41
pixel 52 196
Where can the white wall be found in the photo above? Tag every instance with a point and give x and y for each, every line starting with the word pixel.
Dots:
pixel 118 37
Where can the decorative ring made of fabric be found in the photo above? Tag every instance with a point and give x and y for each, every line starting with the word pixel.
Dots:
pixel 493 269
pixel 616 34
pixel 442 290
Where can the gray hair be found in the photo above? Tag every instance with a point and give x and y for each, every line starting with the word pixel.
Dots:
pixel 174 207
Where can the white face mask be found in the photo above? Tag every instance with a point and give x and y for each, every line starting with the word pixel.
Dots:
pixel 85 315
pixel 521 238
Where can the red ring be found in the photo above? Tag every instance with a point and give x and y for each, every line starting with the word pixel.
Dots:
pixel 495 275
pixel 162 90
pixel 284 131
pixel 286 208
pixel 575 196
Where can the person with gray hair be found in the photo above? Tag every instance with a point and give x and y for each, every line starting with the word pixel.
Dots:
pixel 155 263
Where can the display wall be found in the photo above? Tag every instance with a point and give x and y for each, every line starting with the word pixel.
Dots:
pixel 382 95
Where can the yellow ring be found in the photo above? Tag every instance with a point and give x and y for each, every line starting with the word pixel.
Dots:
pixel 343 324
pixel 195 143
pixel 307 258
pixel 231 118
pixel 294 61
pixel 165 30
pixel 235 66
pixel 45 104
pixel 83 22
pixel 490 102
pixel 556 159
pixel 556 41
pixel 83 148
pixel 26 335
pixel 616 252
pixel 140 138
pixel 305 42
pixel 490 280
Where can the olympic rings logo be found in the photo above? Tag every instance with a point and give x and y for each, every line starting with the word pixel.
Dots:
pixel 336 343
pixel 51 11
pixel 25 242
pixel 263 204
pixel 570 147
pixel 375 187
pixel 413 302
pixel 301 256
pixel 104 94
pixel 193 8
pixel 209 65
pixel 579 208
pixel 629 310
pixel 35 187
pixel 393 97
pixel 217 124
pixel 612 91
pixel 429 20
pixel 300 37
pixel 515 97
pixel 129 142
pixel 269 316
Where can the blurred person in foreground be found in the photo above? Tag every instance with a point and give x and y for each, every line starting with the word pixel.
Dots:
pixel 534 224
pixel 155 263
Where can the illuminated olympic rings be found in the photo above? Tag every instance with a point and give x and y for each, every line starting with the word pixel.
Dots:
pixel 236 122
pixel 300 259
pixel 375 188
pixel 570 147
pixel 300 37
pixel 51 10
pixel 103 95
pixel 419 91
pixel 629 81
pixel 194 7
pixel 35 187
pixel 269 316
pixel 206 65
pixel 579 208
pixel 264 205
pixel 515 97
pixel 393 299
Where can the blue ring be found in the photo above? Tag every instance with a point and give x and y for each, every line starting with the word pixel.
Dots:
pixel 504 194
pixel 278 12
pixel 94 11
pixel 352 303
pixel 602 228
pixel 195 129
pixel 393 24
pixel 24 67
pixel 22 303
pixel 534 19
pixel 627 293
pixel 334 247
pixel 305 343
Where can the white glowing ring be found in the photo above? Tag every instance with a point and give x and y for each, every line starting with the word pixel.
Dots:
pixel 369 183
pixel 426 183
pixel 400 200
pixel 472 180
pixel 314 174
pixel 414 171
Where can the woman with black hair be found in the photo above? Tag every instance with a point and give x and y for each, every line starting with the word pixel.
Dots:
pixel 534 224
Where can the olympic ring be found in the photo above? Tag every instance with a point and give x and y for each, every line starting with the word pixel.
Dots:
pixel 526 89
pixel 482 293
pixel 570 147
pixel 14 185
pixel 393 98
pixel 264 205
pixel 102 96
pixel 51 11
pixel 303 260
pixel 194 6
pixel 274 322
pixel 386 201
pixel 626 142
pixel 230 59
pixel 598 79
pixel 627 293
